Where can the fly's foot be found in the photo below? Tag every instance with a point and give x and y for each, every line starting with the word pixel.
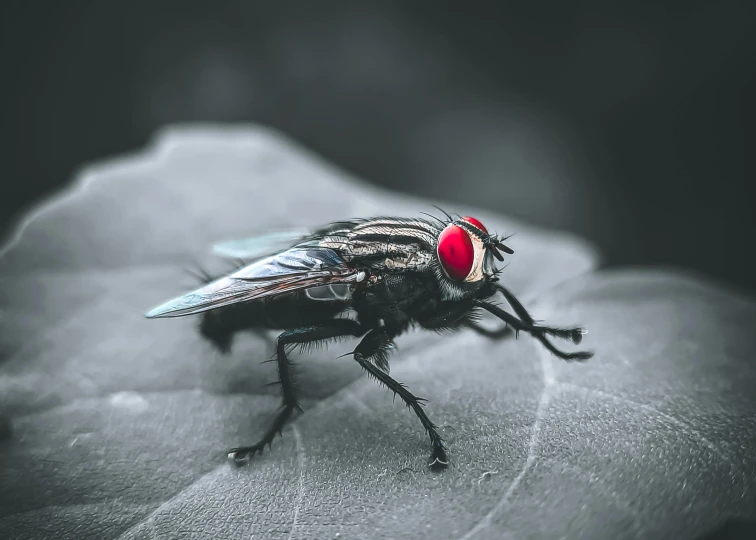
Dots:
pixel 573 334
pixel 239 455
pixel 438 460
pixel 577 335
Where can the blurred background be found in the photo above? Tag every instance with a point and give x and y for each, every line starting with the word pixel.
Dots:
pixel 623 122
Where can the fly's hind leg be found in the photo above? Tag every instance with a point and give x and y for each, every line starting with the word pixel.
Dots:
pixel 306 334
pixel 372 355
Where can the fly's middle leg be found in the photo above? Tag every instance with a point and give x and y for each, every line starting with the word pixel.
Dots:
pixel 371 354
pixel 303 335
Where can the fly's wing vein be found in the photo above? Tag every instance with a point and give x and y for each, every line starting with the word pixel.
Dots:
pixel 294 269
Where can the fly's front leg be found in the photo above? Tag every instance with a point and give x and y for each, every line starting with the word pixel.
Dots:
pixel 306 334
pixel 372 355
pixel 449 318
pixel 499 333
pixel 461 315
pixel 539 332
pixel 574 334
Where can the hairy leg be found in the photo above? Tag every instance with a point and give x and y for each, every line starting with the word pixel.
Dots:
pixel 372 355
pixel 539 332
pixel 499 333
pixel 461 315
pixel 574 334
pixel 304 335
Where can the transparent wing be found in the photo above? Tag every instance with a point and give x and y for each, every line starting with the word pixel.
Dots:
pixel 294 269
pixel 336 291
pixel 260 246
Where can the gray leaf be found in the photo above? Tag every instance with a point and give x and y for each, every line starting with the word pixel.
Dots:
pixel 120 424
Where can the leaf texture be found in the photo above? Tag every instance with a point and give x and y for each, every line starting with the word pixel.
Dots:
pixel 118 425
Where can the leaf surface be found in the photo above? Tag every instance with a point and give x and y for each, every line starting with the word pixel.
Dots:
pixel 119 425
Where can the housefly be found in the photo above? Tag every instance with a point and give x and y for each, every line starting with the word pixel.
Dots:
pixel 366 278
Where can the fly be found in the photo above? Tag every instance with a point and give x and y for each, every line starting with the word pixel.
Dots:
pixel 368 278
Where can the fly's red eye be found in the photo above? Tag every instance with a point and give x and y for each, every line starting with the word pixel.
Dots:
pixel 456 252
pixel 476 223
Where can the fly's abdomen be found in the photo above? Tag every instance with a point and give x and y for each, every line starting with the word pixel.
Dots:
pixel 282 312
pixel 220 325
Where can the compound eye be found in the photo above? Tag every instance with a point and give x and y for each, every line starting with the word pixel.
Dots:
pixel 475 223
pixel 456 252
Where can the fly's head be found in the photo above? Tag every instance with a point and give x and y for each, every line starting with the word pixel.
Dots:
pixel 465 254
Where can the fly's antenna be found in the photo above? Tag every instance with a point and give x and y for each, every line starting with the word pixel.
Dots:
pixel 497 245
pixel 500 245
pixel 491 242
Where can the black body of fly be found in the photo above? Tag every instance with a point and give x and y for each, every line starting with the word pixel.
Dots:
pixel 371 279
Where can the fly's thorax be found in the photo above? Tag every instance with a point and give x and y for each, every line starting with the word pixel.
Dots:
pixel 412 260
pixel 386 244
pixel 452 256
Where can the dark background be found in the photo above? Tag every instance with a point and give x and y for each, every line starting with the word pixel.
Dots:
pixel 624 122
